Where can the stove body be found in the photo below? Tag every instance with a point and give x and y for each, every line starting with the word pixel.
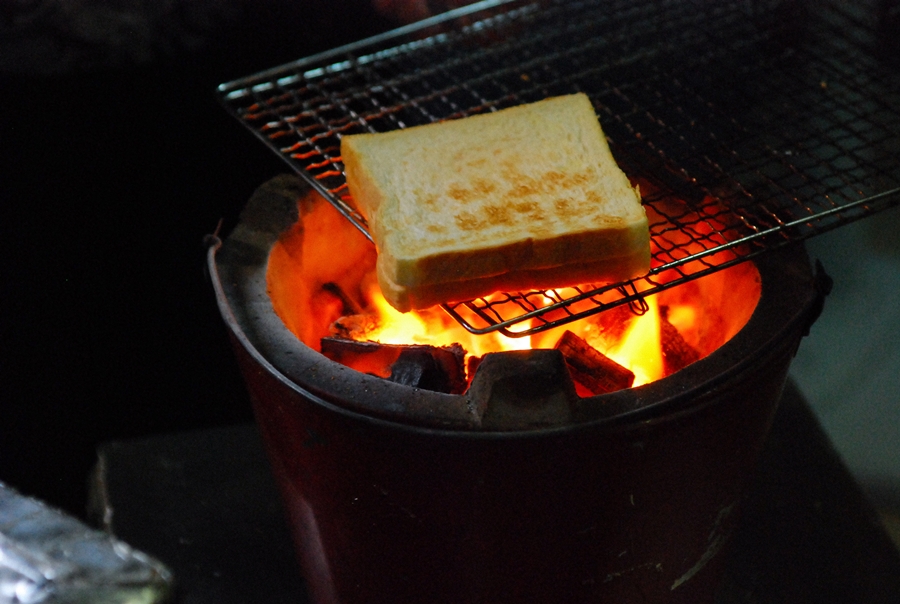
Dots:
pixel 392 501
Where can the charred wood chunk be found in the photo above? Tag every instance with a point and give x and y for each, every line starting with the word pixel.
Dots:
pixel 368 357
pixel 431 368
pixel 440 369
pixel 591 368
pixel 677 353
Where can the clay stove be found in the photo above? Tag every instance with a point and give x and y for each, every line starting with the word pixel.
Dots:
pixel 520 488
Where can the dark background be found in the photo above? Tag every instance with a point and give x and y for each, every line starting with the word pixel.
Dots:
pixel 116 160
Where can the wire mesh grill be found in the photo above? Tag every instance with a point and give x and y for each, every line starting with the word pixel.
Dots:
pixel 747 126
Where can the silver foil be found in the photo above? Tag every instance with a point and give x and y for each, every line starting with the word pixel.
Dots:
pixel 49 557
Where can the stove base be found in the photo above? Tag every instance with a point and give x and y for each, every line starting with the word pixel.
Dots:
pixel 807 534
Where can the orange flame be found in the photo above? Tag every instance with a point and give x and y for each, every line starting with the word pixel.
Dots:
pixel 434 327
pixel 639 349
pixel 703 313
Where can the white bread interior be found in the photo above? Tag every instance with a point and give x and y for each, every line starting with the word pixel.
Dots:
pixel 525 197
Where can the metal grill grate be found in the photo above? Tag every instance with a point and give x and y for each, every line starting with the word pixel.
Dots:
pixel 747 125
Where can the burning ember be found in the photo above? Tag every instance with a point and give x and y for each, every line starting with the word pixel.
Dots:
pixel 331 301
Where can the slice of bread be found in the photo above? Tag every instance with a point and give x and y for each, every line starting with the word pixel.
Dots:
pixel 529 196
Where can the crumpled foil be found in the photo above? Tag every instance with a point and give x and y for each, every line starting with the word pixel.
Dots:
pixel 49 557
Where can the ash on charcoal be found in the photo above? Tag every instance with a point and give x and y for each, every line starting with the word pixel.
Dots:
pixel 428 368
pixel 439 369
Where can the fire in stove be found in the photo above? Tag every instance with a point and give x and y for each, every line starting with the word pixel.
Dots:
pixel 321 282
pixel 519 485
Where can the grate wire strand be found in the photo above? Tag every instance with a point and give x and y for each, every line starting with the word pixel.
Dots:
pixel 747 126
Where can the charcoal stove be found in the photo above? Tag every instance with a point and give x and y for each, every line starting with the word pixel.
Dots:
pixel 397 493
pixel 749 127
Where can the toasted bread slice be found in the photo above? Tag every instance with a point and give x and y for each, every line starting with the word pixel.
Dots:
pixel 462 208
pixel 422 296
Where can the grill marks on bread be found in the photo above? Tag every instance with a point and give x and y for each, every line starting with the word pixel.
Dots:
pixel 523 200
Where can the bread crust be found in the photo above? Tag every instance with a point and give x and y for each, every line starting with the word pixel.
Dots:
pixel 406 299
